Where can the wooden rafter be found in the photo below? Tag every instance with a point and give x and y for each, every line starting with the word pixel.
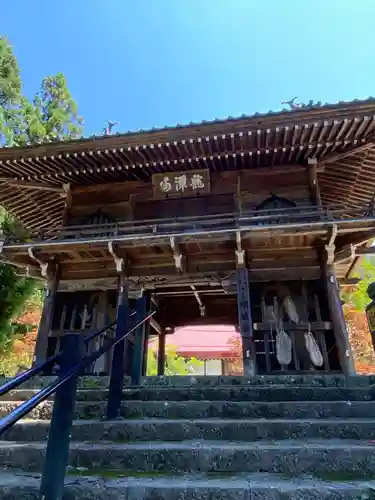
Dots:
pixel 30 185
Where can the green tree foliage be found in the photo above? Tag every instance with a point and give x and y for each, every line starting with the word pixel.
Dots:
pixel 357 297
pixel 10 80
pixel 50 116
pixel 10 92
pixel 174 364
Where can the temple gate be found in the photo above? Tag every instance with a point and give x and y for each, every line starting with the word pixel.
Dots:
pixel 254 222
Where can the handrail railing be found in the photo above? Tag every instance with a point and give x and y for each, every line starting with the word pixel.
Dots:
pixel 206 221
pixel 93 335
pixel 26 407
pixel 65 390
pixel 35 370
pixel 27 375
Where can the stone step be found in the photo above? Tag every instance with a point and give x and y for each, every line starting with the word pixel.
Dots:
pixel 259 380
pixel 85 382
pixel 82 395
pixel 290 457
pixel 189 487
pixel 240 393
pixel 210 409
pixel 165 430
pixel 222 392
pixel 102 382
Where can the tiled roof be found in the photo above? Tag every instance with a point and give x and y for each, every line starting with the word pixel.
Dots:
pixel 331 133
pixel 310 106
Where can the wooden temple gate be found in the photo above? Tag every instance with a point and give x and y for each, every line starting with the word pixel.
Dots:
pixel 220 223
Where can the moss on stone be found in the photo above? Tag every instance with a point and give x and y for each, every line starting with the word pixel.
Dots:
pixel 342 476
pixel 115 474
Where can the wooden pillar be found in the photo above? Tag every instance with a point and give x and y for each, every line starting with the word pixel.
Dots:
pixel 68 204
pixel 145 349
pixel 45 323
pixel 370 312
pixel 245 321
pixel 338 321
pixel 118 360
pixel 161 353
pixel 141 307
pixel 313 182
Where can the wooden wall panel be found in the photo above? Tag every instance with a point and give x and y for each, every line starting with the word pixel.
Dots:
pixel 134 199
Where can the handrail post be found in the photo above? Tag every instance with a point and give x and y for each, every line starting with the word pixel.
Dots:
pixel 141 308
pixel 118 364
pixel 57 453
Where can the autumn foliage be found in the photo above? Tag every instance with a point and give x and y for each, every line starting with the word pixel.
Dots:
pixel 360 340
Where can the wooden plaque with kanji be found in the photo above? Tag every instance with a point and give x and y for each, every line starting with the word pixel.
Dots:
pixel 177 184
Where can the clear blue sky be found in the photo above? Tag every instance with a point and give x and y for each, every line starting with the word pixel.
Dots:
pixel 152 63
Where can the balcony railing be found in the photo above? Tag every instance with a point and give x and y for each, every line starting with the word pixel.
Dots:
pixel 302 215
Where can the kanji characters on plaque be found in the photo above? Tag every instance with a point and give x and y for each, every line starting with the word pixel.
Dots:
pixel 181 183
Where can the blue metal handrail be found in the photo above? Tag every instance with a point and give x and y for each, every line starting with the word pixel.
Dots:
pixel 25 408
pixel 28 374
pixel 35 370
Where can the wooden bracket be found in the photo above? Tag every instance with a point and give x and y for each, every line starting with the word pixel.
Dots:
pixel 179 260
pixel 43 265
pixel 331 247
pixel 119 261
pixel 240 252
pixel 202 307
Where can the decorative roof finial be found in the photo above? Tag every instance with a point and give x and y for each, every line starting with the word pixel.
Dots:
pixel 108 130
pixel 293 104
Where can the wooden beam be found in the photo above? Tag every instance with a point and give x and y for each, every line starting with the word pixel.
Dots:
pixel 156 326
pixel 340 156
pixel 280 169
pixel 348 281
pixel 31 185
pixel 365 251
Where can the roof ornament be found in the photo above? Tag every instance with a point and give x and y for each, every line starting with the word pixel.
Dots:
pixel 293 104
pixel 108 130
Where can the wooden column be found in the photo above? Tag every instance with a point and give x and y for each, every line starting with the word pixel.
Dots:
pixel 313 181
pixel 161 354
pixel 338 321
pixel 245 322
pixel 118 360
pixel 142 308
pixel 145 348
pixel 68 204
pixel 45 323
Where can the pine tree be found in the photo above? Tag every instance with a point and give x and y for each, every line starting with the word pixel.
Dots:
pixel 10 92
pixel 51 116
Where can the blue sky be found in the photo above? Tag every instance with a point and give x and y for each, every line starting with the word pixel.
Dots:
pixel 152 63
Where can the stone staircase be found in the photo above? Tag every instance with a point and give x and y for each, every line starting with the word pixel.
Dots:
pixel 263 438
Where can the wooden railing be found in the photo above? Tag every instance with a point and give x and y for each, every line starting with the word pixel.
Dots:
pixel 203 223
